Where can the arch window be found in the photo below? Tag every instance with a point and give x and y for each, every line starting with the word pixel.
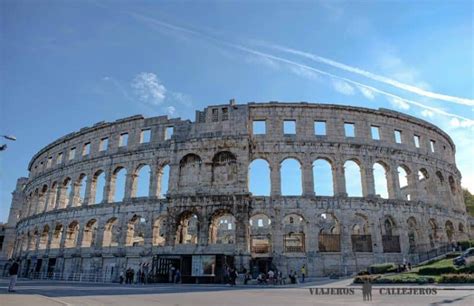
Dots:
pixel 291 177
pixel 329 239
pixel 56 238
pixel 361 238
pixel 380 180
pixel 159 231
pixel 189 170
pixel 163 181
pixel 111 233
pixel 222 229
pixel 188 229
pixel 118 184
pixel 98 187
pixel 224 168
pixel 259 178
pixel 390 237
pixel 322 178
pixel 353 178
pixel 141 186
pixel 90 234
pixel 260 234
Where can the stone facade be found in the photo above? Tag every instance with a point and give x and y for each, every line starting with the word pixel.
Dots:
pixel 208 207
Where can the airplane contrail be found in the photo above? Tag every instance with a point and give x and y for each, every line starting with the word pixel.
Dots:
pixel 375 77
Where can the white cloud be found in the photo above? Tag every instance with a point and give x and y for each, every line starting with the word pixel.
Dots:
pixel 170 110
pixel 399 103
pixel 427 113
pixel 343 87
pixel 148 88
pixel 455 122
pixel 306 73
pixel 369 94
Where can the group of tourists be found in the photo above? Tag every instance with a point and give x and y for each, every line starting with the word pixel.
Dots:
pixel 231 275
pixel 276 277
pixel 174 275
pixel 130 277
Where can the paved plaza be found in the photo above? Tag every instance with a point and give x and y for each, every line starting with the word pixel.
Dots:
pixel 68 293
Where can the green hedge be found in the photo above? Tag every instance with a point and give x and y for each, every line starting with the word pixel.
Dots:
pixel 398 280
pixel 381 268
pixel 457 278
pixel 467 269
pixel 437 270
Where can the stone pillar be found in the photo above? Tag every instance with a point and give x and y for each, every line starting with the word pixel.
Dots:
pixel 99 238
pixel 339 179
pixel 376 232
pixel 109 187
pixel 275 178
pixel 368 181
pixel 412 180
pixel 203 234
pixel 62 197
pixel 72 195
pixel 155 180
pixel 47 198
pixel 242 232
pixel 173 178
pixel 50 238
pixel 130 186
pixel 393 184
pixel 307 179
pixel 87 196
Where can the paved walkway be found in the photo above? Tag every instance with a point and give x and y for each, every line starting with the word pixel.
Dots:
pixel 72 293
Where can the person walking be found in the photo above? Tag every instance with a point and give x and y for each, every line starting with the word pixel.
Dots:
pixel 13 271
pixel 303 273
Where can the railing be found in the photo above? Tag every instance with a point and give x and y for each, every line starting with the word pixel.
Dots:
pixel 261 249
pixel 361 243
pixel 73 277
pixel 391 244
pixel 433 253
pixel 329 243
pixel 294 248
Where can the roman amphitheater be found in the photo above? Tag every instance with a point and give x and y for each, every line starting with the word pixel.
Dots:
pixel 148 193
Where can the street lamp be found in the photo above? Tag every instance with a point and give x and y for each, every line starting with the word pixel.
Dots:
pixel 9 137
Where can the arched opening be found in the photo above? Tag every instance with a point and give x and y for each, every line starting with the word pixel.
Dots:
pixel 260 234
pixel 361 238
pixel 353 178
pixel 187 229
pixel 290 176
pixel 72 235
pixel 163 181
pixel 449 231
pixel 65 193
pixel 294 234
pixel 423 174
pixel 57 235
pixel 329 239
pixel 222 228
pixel 390 236
pixel 259 178
pixel 98 187
pixel 52 196
pixel 33 236
pixel 111 233
pixel 159 231
pixel 118 181
pixel 452 184
pixel 43 243
pixel 80 190
pixel 380 180
pixel 136 231
pixel 224 169
pixel 412 234
pixel 90 234
pixel 433 234
pixel 42 199
pixel 402 177
pixel 189 170
pixel 322 177
pixel 141 186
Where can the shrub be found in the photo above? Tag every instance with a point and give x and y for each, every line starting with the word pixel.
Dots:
pixel 363 272
pixel 406 280
pixel 361 278
pixel 467 269
pixel 466 244
pixel 457 278
pixel 381 268
pixel 436 270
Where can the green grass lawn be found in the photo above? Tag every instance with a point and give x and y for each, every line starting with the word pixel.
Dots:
pixel 447 262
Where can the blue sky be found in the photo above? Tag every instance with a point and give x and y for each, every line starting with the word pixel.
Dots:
pixel 67 65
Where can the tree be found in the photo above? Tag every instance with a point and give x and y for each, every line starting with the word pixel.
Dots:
pixel 469 201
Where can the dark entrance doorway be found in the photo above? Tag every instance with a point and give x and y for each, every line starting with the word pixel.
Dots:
pixel 261 265
pixel 51 266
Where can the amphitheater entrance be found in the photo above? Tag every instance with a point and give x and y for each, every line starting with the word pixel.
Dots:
pixel 196 269
pixel 261 265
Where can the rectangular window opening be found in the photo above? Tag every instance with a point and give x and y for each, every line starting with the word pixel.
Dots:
pixel 72 153
pixel 59 159
pixel 225 114
pixel 398 136
pixel 104 144
pixel 50 162
pixel 145 136
pixel 215 115
pixel 349 129
pixel 123 140
pixel 289 127
pixel 432 146
pixel 169 132
pixel 259 127
pixel 416 138
pixel 86 150
pixel 320 128
pixel 375 131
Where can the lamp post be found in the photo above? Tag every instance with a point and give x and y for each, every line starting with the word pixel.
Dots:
pixel 9 137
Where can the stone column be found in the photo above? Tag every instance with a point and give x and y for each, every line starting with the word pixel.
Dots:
pixel 368 181
pixel 242 232
pixel 155 180
pixel 50 238
pixel 47 198
pixel 109 186
pixel 339 179
pixel 99 238
pixel 412 180
pixel 130 186
pixel 275 178
pixel 376 232
pixel 307 179
pixel 393 184
pixel 87 196
pixel 72 195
